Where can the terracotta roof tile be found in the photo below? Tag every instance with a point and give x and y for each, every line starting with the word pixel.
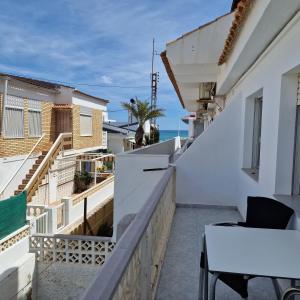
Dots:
pixel 240 16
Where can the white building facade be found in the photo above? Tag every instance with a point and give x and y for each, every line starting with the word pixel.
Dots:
pixel 252 146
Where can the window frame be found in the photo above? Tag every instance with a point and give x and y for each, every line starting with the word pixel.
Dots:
pixel 91 121
pixel 17 104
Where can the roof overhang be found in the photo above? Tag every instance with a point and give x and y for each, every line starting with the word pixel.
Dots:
pixel 193 59
pixel 264 22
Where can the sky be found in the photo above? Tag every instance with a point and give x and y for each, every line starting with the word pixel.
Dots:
pixel 102 47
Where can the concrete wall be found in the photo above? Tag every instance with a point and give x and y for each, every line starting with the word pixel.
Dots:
pixel 210 171
pixel 132 184
pixel 115 142
pixel 17 271
pixel 8 167
pixel 165 148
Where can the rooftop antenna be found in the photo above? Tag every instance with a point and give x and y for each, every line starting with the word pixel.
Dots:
pixel 154 80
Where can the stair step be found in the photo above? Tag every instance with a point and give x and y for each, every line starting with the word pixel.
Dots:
pixel 38 161
pixel 31 172
pixel 28 176
pixel 21 187
pixel 44 153
pixel 25 181
pixel 35 166
pixel 17 192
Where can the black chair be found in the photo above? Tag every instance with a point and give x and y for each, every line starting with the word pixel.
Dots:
pixel 261 213
pixel 289 293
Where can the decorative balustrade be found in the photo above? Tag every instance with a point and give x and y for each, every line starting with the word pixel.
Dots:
pixel 132 271
pixel 104 139
pixel 77 199
pixel 60 214
pixel 41 223
pixel 71 249
pixel 35 210
pixel 14 237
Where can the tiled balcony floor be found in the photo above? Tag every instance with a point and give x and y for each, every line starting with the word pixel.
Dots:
pixel 179 279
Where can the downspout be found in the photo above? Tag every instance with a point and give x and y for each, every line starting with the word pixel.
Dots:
pixel 3 103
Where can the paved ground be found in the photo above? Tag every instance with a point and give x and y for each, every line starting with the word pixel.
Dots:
pixel 179 279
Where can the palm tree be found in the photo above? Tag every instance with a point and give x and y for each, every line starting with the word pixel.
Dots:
pixel 143 112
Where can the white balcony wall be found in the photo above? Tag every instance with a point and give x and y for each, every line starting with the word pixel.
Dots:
pixel 8 167
pixel 210 171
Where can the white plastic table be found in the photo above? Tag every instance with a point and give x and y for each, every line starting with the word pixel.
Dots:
pixel 251 251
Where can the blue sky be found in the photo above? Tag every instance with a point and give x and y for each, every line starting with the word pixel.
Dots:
pixel 100 42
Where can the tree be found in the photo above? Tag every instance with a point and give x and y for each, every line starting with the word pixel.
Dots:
pixel 143 112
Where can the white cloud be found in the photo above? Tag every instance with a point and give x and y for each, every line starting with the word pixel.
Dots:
pixel 106 79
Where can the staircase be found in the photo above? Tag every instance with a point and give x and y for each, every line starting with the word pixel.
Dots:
pixel 42 165
pixel 31 172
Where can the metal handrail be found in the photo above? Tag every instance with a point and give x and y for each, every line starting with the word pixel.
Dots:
pixel 43 167
pixel 22 164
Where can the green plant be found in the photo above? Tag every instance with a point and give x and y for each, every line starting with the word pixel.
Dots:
pixel 143 112
pixel 82 181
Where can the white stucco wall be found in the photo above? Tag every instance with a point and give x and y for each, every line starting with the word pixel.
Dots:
pixel 210 171
pixel 8 167
pixel 132 185
pixel 115 142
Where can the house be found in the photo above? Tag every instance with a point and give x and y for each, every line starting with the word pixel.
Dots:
pixel 120 136
pixel 33 115
pixel 240 74
pixel 49 132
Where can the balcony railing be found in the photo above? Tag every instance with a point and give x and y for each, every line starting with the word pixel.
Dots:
pixel 132 271
pixel 71 249
pixel 104 139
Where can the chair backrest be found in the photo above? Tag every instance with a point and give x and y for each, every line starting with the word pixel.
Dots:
pixel 267 213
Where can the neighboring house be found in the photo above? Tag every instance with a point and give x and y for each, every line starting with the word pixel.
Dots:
pixel 34 111
pixel 195 126
pixel 48 132
pixel 120 136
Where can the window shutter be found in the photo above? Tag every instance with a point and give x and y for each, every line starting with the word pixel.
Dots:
pixel 35 118
pixel 86 124
pixel 14 117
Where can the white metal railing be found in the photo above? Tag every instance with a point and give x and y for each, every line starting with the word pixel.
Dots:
pixel 41 223
pixel 61 215
pixel 21 165
pixel 73 249
pixel 14 237
pixel 132 271
pixel 64 139
pixel 104 138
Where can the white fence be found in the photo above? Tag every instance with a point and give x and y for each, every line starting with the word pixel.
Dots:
pixel 41 223
pixel 71 249
pixel 104 139
pixel 60 215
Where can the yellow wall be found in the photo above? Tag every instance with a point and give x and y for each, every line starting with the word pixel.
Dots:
pixel 21 146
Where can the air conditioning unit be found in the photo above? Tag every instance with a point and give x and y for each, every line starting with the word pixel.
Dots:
pixel 207 90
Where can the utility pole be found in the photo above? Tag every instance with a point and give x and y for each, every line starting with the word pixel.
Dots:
pixel 154 80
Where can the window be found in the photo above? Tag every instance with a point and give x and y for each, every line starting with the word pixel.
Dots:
pixel 34 118
pixel 252 134
pixel 13 121
pixel 86 123
pixel 256 133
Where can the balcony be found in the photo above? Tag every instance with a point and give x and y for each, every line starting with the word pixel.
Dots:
pixel 158 255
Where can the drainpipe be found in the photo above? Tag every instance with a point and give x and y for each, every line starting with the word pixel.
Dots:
pixel 3 103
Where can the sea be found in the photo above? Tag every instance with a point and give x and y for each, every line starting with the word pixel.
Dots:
pixel 169 134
